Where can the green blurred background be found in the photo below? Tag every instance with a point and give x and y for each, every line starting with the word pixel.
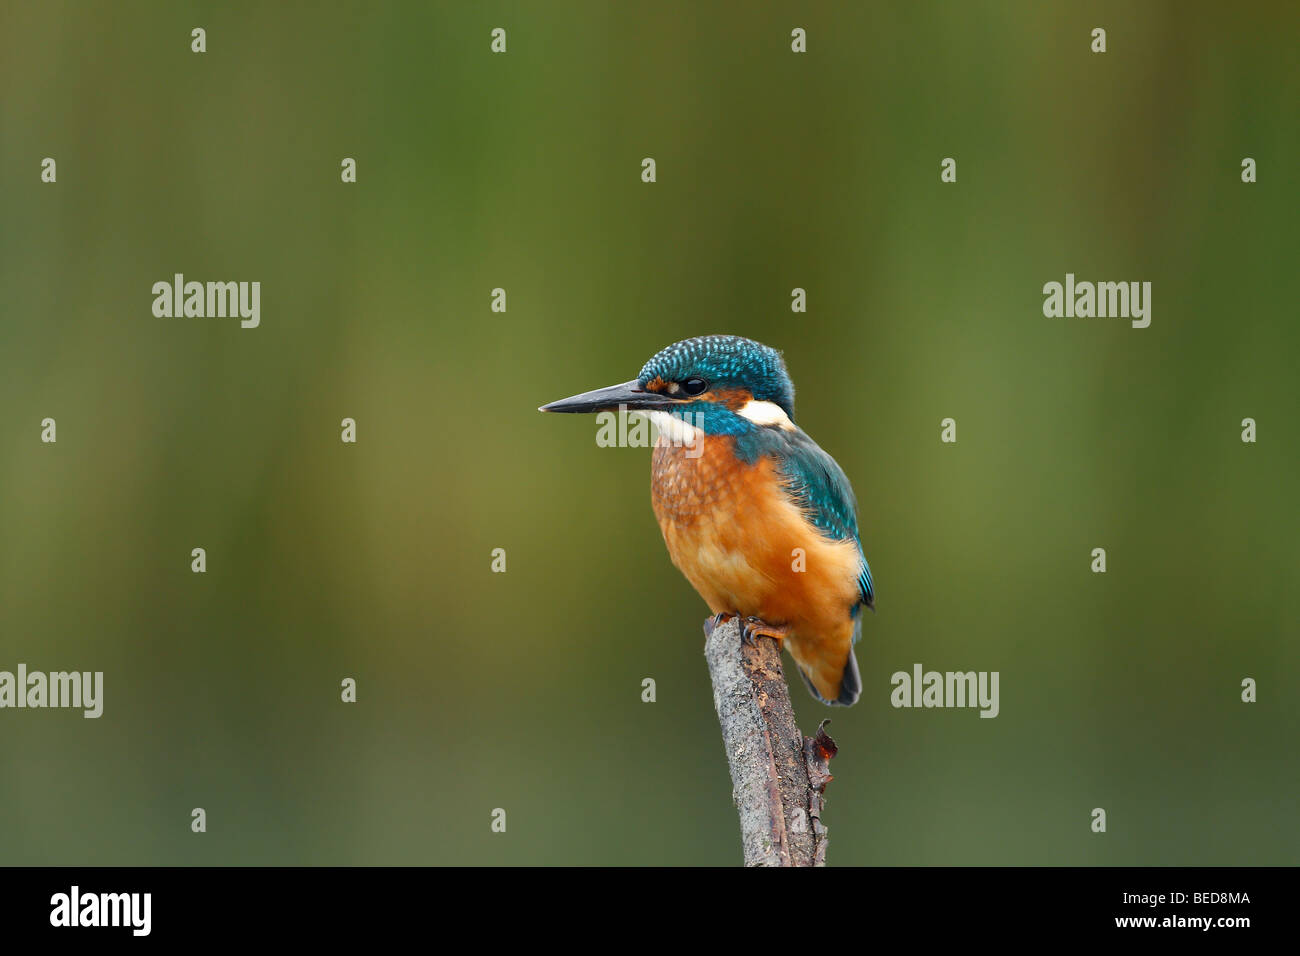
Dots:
pixel 522 690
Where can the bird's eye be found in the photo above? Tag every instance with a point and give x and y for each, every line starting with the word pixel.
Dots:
pixel 694 386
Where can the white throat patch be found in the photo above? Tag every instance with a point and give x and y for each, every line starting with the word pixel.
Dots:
pixel 766 413
pixel 677 432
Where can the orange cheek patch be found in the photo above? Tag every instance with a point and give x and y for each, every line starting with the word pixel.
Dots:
pixel 732 398
pixel 656 384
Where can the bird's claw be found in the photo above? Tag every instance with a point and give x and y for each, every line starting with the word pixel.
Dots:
pixel 753 627
pixel 750 627
pixel 711 623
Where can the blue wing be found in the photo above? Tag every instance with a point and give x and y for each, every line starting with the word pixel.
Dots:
pixel 817 482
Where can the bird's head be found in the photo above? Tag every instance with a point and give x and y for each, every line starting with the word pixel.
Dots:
pixel 712 379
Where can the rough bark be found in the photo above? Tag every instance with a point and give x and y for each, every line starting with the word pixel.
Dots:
pixel 778 776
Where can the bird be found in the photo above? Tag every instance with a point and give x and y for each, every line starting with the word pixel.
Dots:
pixel 761 521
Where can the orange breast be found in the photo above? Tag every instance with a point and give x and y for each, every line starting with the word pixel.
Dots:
pixel 748 550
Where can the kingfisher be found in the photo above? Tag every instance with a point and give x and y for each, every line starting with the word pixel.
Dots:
pixel 759 519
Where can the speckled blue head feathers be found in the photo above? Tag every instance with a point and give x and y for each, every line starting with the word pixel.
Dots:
pixel 725 362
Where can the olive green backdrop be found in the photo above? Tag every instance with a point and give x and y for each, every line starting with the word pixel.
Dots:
pixel 522 690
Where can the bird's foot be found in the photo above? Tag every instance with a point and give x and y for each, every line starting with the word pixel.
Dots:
pixel 752 627
pixel 722 617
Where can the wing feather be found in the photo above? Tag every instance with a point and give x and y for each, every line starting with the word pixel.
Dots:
pixel 818 484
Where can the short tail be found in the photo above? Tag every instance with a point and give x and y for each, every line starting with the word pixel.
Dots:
pixel 850 685
pixel 850 681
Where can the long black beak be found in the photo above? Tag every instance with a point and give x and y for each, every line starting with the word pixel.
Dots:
pixel 630 395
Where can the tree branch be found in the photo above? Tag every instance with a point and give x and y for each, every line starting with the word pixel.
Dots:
pixel 778 776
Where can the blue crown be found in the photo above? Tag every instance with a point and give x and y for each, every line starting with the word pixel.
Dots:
pixel 725 362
